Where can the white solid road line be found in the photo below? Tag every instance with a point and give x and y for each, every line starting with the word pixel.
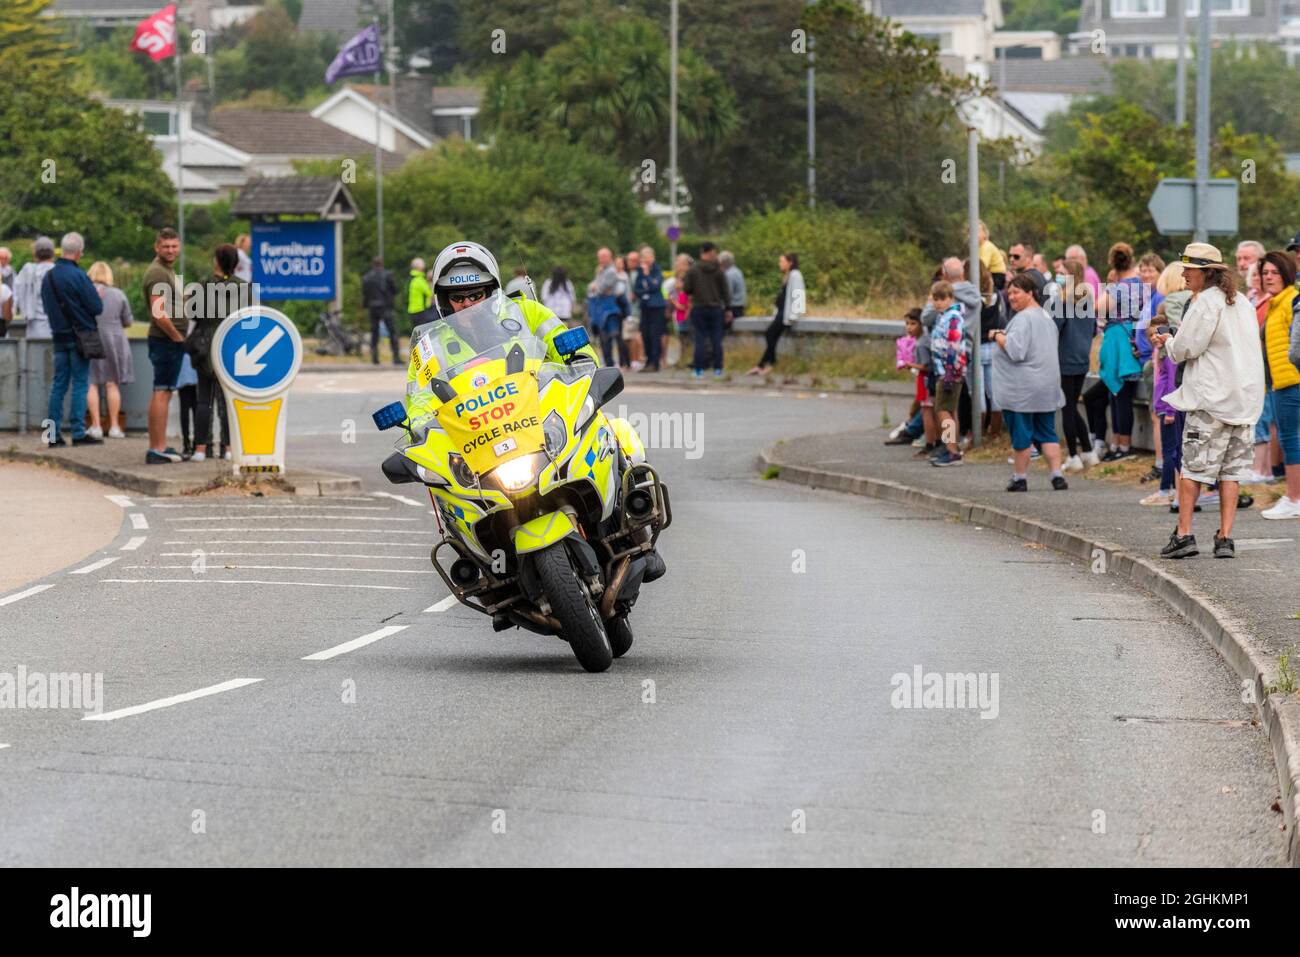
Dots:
pixel 3 746
pixel 402 498
pixel 387 558
pixel 294 541
pixel 265 518
pixel 139 522
pixel 135 543
pixel 34 590
pixel 362 531
pixel 444 604
pixel 174 699
pixel 237 581
pixel 319 508
pixel 356 643
pixel 239 503
pixel 296 568
pixel 121 501
pixel 94 566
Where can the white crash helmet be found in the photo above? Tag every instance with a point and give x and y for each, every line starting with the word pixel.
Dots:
pixel 463 265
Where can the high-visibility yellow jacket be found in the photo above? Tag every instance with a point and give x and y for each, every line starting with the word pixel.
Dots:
pixel 1277 339
pixel 418 295
pixel 543 323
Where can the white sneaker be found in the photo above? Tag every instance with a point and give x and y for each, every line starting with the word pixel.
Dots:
pixel 1089 459
pixel 918 443
pixel 1285 508
pixel 95 432
pixel 895 433
pixel 116 433
pixel 1073 464
pixel 1099 448
pixel 199 457
pixel 227 456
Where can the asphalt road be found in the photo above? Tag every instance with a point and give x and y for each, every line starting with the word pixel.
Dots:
pixel 753 722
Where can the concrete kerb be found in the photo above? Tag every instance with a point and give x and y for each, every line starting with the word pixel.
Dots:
pixel 1280 717
pixel 309 483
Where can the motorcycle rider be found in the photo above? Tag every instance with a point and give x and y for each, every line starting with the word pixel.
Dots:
pixel 464 275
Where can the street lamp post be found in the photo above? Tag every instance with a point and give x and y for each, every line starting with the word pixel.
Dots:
pixel 672 128
pixel 1203 124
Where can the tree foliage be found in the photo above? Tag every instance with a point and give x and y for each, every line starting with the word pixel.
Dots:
pixel 606 86
pixel 29 37
pixel 540 203
pixel 83 166
pixel 1095 190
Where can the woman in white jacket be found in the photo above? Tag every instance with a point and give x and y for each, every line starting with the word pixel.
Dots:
pixel 791 304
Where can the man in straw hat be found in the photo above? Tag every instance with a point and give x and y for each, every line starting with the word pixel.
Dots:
pixel 1221 390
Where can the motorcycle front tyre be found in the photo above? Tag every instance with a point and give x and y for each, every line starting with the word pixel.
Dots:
pixel 571 604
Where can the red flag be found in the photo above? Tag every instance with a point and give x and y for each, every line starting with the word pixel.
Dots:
pixel 156 34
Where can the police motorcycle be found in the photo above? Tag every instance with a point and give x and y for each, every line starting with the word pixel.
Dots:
pixel 548 510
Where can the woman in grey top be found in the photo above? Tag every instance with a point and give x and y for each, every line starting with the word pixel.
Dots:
pixel 115 368
pixel 1027 382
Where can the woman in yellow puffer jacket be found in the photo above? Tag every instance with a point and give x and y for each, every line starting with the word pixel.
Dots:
pixel 1277 275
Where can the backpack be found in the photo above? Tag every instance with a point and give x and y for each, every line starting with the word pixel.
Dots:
pixel 949 347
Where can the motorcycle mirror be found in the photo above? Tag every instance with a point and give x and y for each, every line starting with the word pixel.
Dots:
pixel 390 415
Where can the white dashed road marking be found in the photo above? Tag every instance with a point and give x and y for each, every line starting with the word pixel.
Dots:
pixel 356 643
pixel 297 568
pixel 240 581
pixel 444 604
pixel 174 699
pixel 94 566
pixel 34 590
pixel 295 541
pixel 389 558
pixel 139 522
pixel 402 498
pixel 264 518
pixel 135 543
pixel 120 500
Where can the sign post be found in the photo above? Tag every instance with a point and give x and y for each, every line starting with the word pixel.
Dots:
pixel 1173 207
pixel 256 354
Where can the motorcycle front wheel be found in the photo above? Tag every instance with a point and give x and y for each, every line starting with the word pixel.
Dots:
pixel 572 605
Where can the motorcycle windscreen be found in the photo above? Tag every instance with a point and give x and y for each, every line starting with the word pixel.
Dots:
pixel 496 423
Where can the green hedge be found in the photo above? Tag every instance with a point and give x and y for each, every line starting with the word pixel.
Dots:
pixel 843 255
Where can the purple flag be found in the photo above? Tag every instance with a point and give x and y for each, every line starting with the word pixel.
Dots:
pixel 360 55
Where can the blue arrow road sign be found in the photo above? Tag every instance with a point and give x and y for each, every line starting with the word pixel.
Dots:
pixel 258 351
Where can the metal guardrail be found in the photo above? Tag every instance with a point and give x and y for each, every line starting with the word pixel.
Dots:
pixel 27 369
pixel 826 325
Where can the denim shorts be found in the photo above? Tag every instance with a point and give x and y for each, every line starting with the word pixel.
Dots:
pixel 1026 428
pixel 1265 418
pixel 166 357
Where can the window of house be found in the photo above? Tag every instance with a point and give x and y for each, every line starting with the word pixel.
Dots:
pixel 1220 8
pixel 157 122
pixel 941 38
pixel 1121 9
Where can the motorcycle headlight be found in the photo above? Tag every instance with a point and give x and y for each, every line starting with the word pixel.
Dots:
pixel 517 473
pixel 463 474
pixel 556 437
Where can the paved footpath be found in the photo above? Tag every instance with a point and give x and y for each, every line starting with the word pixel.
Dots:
pixel 52 519
pixel 1256 594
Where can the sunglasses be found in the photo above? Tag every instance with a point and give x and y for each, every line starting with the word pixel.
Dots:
pixel 471 295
